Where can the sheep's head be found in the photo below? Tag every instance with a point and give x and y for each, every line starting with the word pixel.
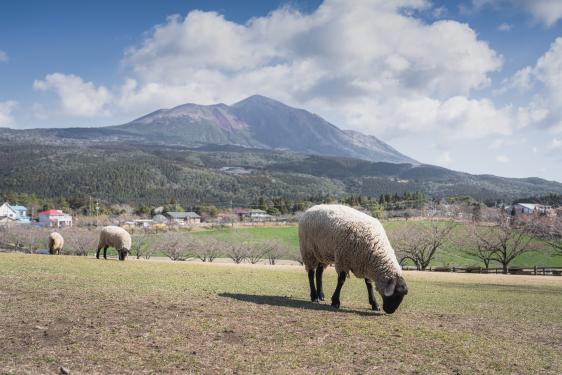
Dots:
pixel 123 253
pixel 393 294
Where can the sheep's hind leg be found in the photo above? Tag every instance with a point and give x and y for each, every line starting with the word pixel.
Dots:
pixel 319 289
pixel 372 300
pixel 313 293
pixel 336 296
pixel 105 252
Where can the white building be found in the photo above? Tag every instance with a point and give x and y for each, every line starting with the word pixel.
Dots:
pixel 16 213
pixel 55 219
pixel 531 208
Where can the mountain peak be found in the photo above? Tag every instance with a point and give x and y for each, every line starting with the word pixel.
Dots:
pixel 259 100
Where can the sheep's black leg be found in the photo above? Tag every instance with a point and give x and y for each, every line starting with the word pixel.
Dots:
pixel 336 295
pixel 313 294
pixel 98 252
pixel 105 252
pixel 319 289
pixel 372 300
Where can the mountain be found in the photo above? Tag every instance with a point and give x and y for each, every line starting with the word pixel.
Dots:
pixel 255 122
pixel 218 153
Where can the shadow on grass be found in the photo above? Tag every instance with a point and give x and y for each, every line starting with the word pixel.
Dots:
pixel 294 303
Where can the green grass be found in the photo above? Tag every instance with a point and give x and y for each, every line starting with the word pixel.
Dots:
pixel 95 316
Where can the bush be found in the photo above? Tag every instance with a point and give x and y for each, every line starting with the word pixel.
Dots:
pixel 78 241
pixel 173 245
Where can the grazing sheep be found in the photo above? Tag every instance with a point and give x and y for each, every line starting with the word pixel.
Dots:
pixel 352 241
pixel 115 237
pixel 56 243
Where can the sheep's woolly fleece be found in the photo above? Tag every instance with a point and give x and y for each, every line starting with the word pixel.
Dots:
pixel 115 237
pixel 349 239
pixel 56 243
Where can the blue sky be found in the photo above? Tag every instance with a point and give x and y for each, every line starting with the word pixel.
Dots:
pixel 470 85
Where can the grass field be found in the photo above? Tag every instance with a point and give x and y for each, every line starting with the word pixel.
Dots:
pixel 95 316
pixel 449 255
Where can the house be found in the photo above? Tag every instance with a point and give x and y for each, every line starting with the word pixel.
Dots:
pixel 530 208
pixel 7 211
pixel 255 215
pixel 55 219
pixel 183 218
pixel 17 213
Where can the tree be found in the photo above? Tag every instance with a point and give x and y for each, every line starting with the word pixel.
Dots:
pixel 25 238
pixel 78 241
pixel 419 242
pixel 508 239
pixel 549 230
pixel 274 250
pixel 207 249
pixel 476 242
pixel 140 245
pixel 173 245
pixel 237 252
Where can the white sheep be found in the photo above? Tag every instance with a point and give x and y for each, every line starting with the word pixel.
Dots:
pixel 56 243
pixel 352 241
pixel 116 237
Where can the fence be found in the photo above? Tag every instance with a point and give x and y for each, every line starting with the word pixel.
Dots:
pixel 544 271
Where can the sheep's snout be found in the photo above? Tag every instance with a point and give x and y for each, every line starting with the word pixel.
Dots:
pixel 123 254
pixel 392 302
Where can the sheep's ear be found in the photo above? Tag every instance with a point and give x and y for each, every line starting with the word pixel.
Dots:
pixel 389 289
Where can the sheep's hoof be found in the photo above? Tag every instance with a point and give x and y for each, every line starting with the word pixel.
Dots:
pixel 336 304
pixel 321 296
pixel 376 308
pixel 314 298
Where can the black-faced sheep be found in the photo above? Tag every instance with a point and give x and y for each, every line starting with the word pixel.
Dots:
pixel 352 241
pixel 117 238
pixel 56 243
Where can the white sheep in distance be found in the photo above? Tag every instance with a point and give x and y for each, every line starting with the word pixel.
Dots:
pixel 352 241
pixel 56 243
pixel 116 237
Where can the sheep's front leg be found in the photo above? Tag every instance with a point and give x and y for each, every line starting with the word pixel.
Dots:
pixel 319 289
pixel 98 253
pixel 336 296
pixel 105 252
pixel 372 300
pixel 313 294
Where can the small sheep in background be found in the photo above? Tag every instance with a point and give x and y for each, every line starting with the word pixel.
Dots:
pixel 56 243
pixel 116 237
pixel 352 241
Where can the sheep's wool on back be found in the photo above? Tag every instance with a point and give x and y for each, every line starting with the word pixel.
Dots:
pixel 349 239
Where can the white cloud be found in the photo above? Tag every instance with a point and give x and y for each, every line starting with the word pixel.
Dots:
pixel 542 81
pixel 555 144
pixel 505 27
pixel 77 98
pixel 6 109
pixel 374 66
pixel 502 158
pixel 382 68
pixel 3 56
pixel 548 12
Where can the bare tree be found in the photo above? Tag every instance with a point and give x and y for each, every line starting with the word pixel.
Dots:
pixel 476 241
pixel 140 245
pixel 208 249
pixel 78 241
pixel 549 230
pixel 26 238
pixel 236 251
pixel 173 245
pixel 508 239
pixel 419 242
pixel 274 250
pixel 297 257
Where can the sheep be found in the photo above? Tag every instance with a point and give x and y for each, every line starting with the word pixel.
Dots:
pixel 116 237
pixel 352 241
pixel 56 243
